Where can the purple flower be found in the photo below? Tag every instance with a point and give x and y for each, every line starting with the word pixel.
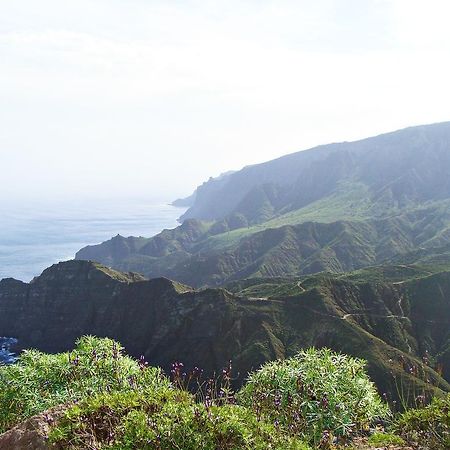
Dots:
pixel 324 402
pixel 142 363
pixel 277 400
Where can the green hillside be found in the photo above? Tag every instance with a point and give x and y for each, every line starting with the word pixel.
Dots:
pixel 390 316
pixel 334 208
pixel 276 248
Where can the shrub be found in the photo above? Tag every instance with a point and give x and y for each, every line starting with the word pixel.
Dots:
pixel 429 426
pixel 384 439
pixel 165 419
pixel 39 381
pixel 317 394
pixel 115 402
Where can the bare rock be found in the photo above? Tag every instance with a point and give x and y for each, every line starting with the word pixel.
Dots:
pixel 32 434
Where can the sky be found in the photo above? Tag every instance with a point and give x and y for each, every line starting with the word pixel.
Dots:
pixel 149 98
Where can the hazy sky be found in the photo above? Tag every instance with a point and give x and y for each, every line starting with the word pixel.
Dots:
pixel 142 97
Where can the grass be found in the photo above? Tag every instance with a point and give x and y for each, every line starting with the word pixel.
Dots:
pixel 350 202
pixel 379 439
pixel 429 425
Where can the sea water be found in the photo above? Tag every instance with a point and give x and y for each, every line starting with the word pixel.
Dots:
pixel 35 236
pixel 6 355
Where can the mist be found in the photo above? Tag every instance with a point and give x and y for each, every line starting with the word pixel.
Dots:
pixel 148 99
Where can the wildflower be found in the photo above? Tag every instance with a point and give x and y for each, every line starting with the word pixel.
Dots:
pixel 226 373
pixel 142 363
pixel 326 438
pixel 277 400
pixel 420 399
pixel 324 402
pixel 177 371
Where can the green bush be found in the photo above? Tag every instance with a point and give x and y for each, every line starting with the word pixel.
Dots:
pixel 115 402
pixel 317 395
pixel 429 426
pixel 165 419
pixel 39 381
pixel 379 439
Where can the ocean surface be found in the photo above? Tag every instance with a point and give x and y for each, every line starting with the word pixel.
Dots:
pixel 33 237
pixel 6 355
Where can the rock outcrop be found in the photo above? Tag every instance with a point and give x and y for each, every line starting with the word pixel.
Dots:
pixel 32 434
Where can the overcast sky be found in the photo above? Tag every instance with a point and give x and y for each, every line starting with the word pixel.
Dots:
pixel 150 98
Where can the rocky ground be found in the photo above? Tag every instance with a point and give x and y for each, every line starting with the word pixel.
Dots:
pixel 31 434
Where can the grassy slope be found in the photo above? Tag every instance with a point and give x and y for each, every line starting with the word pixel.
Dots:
pixel 388 197
pixel 344 231
pixel 351 202
pixel 387 315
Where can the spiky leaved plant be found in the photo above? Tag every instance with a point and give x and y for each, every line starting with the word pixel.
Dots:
pixel 318 394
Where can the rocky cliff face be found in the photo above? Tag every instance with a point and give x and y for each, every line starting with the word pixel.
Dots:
pixel 391 324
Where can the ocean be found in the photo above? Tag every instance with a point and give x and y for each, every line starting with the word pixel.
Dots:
pixel 6 355
pixel 33 237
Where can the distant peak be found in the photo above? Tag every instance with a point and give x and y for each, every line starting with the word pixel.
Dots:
pixel 76 269
pixel 11 282
pixel 166 283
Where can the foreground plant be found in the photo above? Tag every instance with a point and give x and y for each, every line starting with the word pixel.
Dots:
pixel 114 402
pixel 39 381
pixel 165 419
pixel 317 395
pixel 429 426
pixel 384 439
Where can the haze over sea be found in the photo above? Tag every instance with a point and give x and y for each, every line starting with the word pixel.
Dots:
pixel 35 236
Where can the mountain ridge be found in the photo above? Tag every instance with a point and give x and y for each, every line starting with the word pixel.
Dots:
pixel 358 314
pixel 375 199
pixel 301 167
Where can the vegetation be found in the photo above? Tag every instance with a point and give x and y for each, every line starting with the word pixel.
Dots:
pixel 39 381
pixel 115 402
pixel 392 317
pixel 283 248
pixel 165 418
pixel 335 208
pixel 317 395
pixel 383 439
pixel 429 426
pixel 118 403
pixel 345 246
